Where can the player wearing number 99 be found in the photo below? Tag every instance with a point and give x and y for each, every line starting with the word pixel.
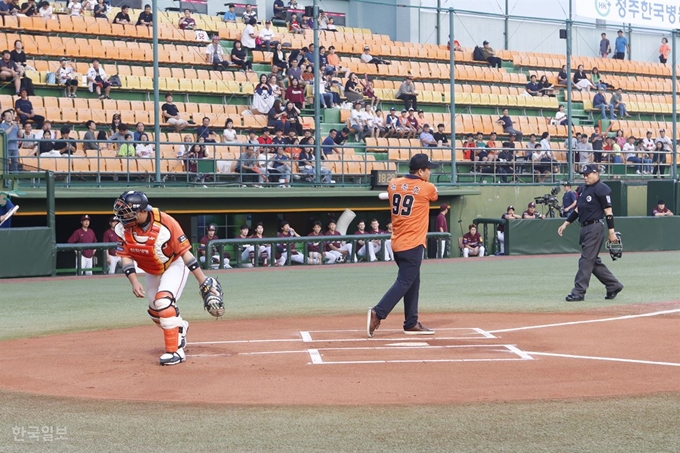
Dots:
pixel 410 198
pixel 159 246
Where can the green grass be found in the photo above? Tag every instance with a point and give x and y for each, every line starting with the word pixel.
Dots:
pixel 646 424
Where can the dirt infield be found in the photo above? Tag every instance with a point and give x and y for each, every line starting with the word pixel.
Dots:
pixel 472 358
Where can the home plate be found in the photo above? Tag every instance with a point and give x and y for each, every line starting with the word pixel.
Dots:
pixel 409 344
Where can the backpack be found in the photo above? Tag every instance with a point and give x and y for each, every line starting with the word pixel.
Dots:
pixel 51 78
pixel 115 81
pixel 27 84
pixel 477 54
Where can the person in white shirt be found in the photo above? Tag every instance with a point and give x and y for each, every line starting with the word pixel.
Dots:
pixel 89 5
pixel 46 11
pixel 229 133
pixel 267 36
pixel 379 128
pixel 630 154
pixel 560 117
pixel 98 80
pixel 75 8
pixel 27 135
pixel 248 36
pixel 648 143
pixel 249 14
pixel 357 122
pixel 214 54
pixel 545 141
pixel 144 148
pixel 67 78
pixel 584 149
pixel 366 57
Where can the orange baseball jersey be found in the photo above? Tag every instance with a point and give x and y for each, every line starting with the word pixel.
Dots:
pixel 410 199
pixel 157 248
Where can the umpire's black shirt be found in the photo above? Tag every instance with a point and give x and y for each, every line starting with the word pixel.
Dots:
pixel 592 201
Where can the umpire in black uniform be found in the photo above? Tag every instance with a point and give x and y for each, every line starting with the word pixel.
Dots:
pixel 594 204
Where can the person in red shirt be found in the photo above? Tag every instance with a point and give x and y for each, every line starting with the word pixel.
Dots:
pixel 469 145
pixel 84 235
pixel 661 210
pixel 409 197
pixel 441 226
pixel 161 249
pixel 295 93
pixel 112 258
pixel 473 244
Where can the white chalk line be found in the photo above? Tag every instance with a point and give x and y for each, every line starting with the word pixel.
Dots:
pixel 607 359
pixel 362 362
pixel 392 330
pixel 571 323
pixel 336 340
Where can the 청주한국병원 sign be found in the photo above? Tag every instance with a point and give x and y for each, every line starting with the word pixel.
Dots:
pixel 652 14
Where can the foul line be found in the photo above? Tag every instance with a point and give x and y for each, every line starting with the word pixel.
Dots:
pixel 618 318
pixel 607 359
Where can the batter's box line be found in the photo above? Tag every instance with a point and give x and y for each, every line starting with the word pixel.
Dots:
pixel 315 355
pixel 477 333
pixel 606 359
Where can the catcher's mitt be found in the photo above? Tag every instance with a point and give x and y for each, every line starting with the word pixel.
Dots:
pixel 212 295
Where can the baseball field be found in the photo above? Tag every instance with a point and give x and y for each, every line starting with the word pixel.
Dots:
pixel 512 366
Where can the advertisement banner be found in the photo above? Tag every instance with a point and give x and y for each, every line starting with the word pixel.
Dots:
pixel 659 14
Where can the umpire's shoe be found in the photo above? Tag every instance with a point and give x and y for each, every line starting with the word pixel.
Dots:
pixel 612 294
pixel 173 358
pixel 573 298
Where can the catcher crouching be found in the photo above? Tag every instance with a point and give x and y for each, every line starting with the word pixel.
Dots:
pixel 157 243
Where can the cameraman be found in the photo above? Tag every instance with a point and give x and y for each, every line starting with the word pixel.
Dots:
pixel 568 199
pixel 531 213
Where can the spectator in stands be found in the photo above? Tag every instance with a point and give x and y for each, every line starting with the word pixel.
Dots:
pixel 600 102
pixel 91 135
pixel 295 94
pixel 630 154
pixel 490 55
pixel 46 148
pixel 570 145
pixel 341 137
pixel 533 88
pixel 426 137
pixel 187 22
pixel 406 127
pixel 203 131
pixel 101 9
pixel 249 15
pixel 368 59
pixel 562 75
pixel 24 110
pixel 663 146
pixel 144 148
pixel 88 6
pixel 248 37
pixel 407 93
pixel 328 146
pixel 358 123
pixel 197 152
pixel 353 91
pixel 648 143
pixel 18 56
pixel 116 123
pixel 507 124
pixel 661 210
pixel 139 130
pixel 123 16
pixel 440 137
pixel 65 144
pixel 456 45
pixel 240 58
pixel 491 144
pixel 281 165
pixel 230 14
pixel 276 115
pixel 9 70
pixel 368 91
pixel 127 148
pixel 560 118
pixel 75 8
pixel 331 25
pixel 11 129
pixel 45 11
pixel 229 135
pixel 584 149
pixel 530 147
pixel 294 26
pixel 379 128
pixel 469 146
pixel 98 80
pixel 620 138
pixel 266 37
pixel 605 46
pixel 547 88
pixel 279 62
pixel 620 46
pixel 171 114
pixel 581 80
pixel 306 163
pixel 664 51
pixel 597 139
pixel 293 120
pixel 543 157
pixel 473 244
pixel 645 156
pixel 29 8
pixel 597 79
pixel 214 54
pixel 614 151
pixel 617 103
pixel 279 10
pixel 26 136
pixel 322 20
pixel 393 124
pixel 294 71
pixel 67 78
pixel 263 96
pixel 145 17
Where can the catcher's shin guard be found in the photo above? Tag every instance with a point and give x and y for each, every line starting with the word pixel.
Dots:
pixel 168 319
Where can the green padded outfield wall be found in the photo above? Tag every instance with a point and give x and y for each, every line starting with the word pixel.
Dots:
pixel 26 252
pixel 639 234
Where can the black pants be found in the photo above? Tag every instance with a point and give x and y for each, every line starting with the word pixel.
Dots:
pixel 410 101
pixel 592 237
pixel 619 55
pixel 245 65
pixel 597 156
pixel 495 62
pixel 248 175
pixel 222 65
pixel 37 120
pixel 407 287
pixel 659 163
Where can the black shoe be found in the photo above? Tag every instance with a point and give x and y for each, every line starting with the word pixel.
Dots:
pixel 573 298
pixel 612 294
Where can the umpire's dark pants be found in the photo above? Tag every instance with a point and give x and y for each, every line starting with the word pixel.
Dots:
pixel 406 286
pixel 592 237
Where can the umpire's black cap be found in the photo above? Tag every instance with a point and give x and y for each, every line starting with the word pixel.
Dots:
pixel 588 169
pixel 421 162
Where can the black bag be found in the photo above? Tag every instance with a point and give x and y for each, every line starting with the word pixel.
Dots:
pixel 27 84
pixel 477 54
pixel 115 81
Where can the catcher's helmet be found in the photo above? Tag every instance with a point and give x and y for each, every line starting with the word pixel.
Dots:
pixel 615 248
pixel 128 205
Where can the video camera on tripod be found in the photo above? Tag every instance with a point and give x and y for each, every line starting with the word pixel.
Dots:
pixel 552 203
